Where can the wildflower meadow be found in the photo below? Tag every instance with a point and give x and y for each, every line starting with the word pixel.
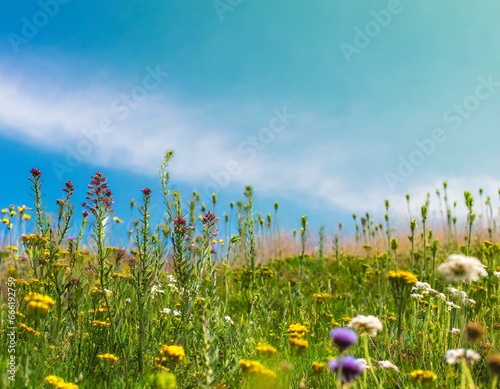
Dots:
pixel 209 300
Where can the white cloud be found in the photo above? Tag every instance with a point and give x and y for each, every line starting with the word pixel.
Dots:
pixel 296 164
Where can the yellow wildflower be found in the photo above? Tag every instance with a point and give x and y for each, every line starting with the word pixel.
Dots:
pixel 59 383
pixel 321 297
pixel 402 275
pixel 38 303
pixel 255 367
pixel 423 375
pixel 318 367
pixel 108 357
pixel 298 343
pixel 266 349
pixel 170 354
pixel 100 323
pixel 28 329
pixel 296 330
pixel 26 216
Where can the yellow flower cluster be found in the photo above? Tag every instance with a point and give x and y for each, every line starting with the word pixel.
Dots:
pixel 321 297
pixel 402 275
pixel 29 329
pixel 36 281
pixel 38 303
pixel 298 343
pixel 296 330
pixel 296 333
pixel 170 353
pixel 34 239
pixel 59 383
pixel 123 275
pixel 266 349
pixel 99 323
pixel 423 375
pixel 318 367
pixel 255 367
pixel 11 248
pixel 108 357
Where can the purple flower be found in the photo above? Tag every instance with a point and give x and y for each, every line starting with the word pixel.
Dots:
pixel 71 238
pixel 348 367
pixel 343 337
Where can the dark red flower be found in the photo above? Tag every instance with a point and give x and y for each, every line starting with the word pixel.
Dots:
pixel 208 218
pixel 69 188
pixel 36 172
pixel 179 221
pixel 146 191
pixel 99 193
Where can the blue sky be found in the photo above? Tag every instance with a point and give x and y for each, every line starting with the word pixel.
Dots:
pixel 328 107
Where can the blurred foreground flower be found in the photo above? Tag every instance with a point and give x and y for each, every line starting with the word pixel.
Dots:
pixel 459 268
pixel 348 367
pixel 162 380
pixel 256 368
pixel 474 332
pixel 456 355
pixel 58 382
pixel 493 362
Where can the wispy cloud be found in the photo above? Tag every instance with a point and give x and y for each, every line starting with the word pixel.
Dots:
pixel 295 162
